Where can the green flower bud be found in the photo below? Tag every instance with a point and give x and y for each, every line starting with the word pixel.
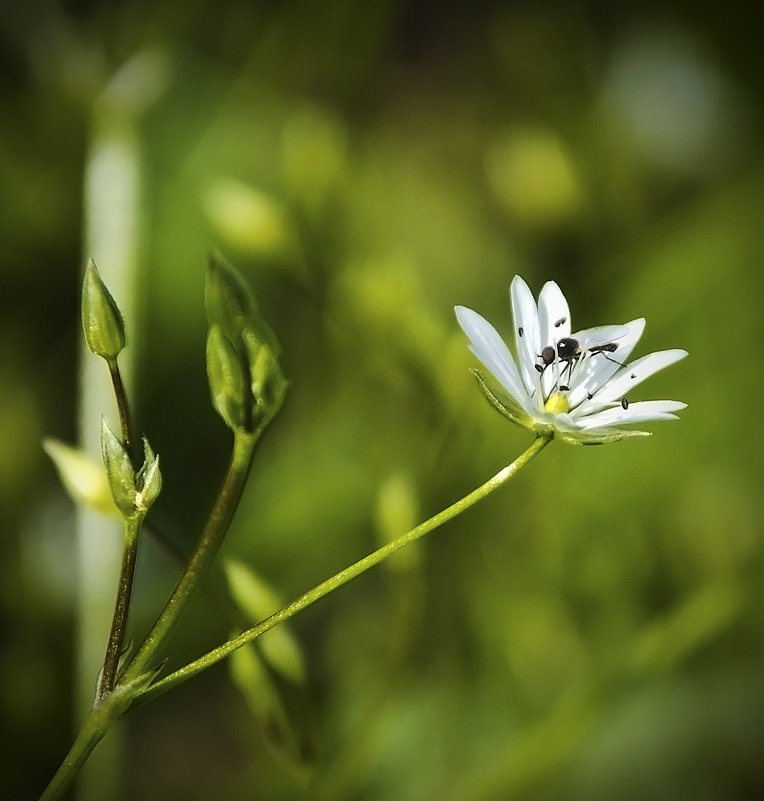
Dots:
pixel 228 381
pixel 231 304
pixel 246 381
pixel 148 480
pixel 101 319
pixel 119 471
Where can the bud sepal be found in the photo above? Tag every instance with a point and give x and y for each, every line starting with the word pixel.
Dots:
pixel 132 492
pixel 228 381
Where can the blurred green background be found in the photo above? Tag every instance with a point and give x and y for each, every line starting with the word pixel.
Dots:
pixel 594 630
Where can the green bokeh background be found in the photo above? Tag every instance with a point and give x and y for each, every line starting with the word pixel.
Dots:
pixel 594 630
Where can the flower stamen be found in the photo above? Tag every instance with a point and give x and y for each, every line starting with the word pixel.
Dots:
pixel 557 403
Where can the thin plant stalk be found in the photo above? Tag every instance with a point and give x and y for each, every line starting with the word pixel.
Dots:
pixel 129 691
pixel 116 641
pixel 123 408
pixel 113 704
pixel 344 576
pixel 204 552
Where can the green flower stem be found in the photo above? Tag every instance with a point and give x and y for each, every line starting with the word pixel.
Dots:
pixel 121 607
pixel 102 716
pixel 122 405
pixel 346 575
pixel 206 548
pixel 112 705
pixel 129 554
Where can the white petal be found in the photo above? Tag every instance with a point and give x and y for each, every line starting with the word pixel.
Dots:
pixel 554 314
pixel 626 343
pixel 594 372
pixel 639 412
pixel 492 351
pixel 635 373
pixel 600 335
pixel 526 320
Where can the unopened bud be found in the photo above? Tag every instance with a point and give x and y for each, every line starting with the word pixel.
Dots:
pixel 133 492
pixel 227 380
pixel 101 319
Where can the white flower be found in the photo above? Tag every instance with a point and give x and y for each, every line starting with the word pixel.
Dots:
pixel 575 385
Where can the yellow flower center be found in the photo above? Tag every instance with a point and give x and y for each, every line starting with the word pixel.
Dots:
pixel 557 403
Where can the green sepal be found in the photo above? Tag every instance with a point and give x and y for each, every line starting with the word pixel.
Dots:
pixel 119 471
pixel 228 380
pixel 599 436
pixel 268 383
pixel 511 410
pixel 148 480
pixel 503 403
pixel 102 321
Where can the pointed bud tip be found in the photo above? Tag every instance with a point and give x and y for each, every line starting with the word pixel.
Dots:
pixel 102 322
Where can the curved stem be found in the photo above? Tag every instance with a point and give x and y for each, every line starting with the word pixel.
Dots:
pixel 346 575
pixel 206 548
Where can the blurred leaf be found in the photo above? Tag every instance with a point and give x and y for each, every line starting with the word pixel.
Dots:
pixel 314 154
pixel 270 672
pixel 248 218
pixel 284 730
pixel 534 177
pixel 258 601
pixel 396 512
pixel 83 478
pixel 674 637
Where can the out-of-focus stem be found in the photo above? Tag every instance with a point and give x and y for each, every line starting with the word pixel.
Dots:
pixel 111 236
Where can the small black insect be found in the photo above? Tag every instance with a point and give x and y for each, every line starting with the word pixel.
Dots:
pixel 571 349
pixel 624 402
